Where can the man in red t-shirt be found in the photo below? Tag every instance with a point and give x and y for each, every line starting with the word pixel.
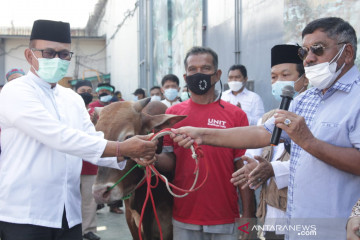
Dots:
pixel 211 211
pixel 105 93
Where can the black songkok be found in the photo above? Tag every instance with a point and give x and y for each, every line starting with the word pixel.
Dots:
pixel 82 83
pixel 285 54
pixel 51 31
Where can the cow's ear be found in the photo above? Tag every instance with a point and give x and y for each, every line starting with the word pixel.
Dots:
pixel 139 105
pixel 160 121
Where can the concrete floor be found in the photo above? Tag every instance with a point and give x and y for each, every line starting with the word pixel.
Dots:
pixel 112 226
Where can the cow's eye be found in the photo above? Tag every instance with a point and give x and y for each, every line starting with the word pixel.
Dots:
pixel 129 136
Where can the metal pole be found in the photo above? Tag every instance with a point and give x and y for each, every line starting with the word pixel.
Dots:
pixel 150 82
pixel 237 30
pixel 204 21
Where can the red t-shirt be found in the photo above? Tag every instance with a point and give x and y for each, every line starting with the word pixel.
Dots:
pixel 93 105
pixel 217 201
pixel 88 168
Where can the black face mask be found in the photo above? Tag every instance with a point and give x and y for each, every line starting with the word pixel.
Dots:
pixel 88 97
pixel 199 83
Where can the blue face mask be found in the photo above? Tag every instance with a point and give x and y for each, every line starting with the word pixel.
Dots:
pixel 184 96
pixel 171 94
pixel 278 86
pixel 52 70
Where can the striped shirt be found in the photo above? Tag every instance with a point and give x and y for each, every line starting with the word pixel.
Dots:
pixel 316 189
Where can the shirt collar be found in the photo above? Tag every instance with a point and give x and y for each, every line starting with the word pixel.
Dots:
pixel 41 83
pixel 243 92
pixel 347 80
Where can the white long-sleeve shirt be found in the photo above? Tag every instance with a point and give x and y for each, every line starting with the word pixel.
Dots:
pixel 275 216
pixel 251 103
pixel 45 132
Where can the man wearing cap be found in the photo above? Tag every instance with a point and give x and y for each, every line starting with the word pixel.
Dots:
pixel 272 170
pixel 323 126
pixel 84 88
pixel 105 93
pixel 46 131
pixel 14 73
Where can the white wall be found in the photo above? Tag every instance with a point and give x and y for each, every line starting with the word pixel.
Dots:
pixel 91 54
pixel 122 51
pixel 261 28
pixel 15 47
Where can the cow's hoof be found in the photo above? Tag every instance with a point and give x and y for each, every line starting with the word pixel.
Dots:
pixel 116 210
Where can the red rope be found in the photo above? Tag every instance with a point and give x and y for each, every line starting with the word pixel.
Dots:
pixel 149 193
pixel 150 168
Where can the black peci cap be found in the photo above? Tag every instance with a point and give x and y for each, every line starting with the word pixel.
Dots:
pixel 285 53
pixel 51 31
pixel 82 83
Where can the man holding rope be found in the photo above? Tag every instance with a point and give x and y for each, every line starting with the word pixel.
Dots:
pixel 46 131
pixel 211 211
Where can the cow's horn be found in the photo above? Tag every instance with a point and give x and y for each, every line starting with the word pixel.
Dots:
pixel 139 105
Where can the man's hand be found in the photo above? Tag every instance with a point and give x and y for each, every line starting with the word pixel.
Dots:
pixel 353 228
pixel 240 177
pixel 297 130
pixel 253 174
pixel 238 105
pixel 144 162
pixel 186 136
pixel 261 173
pixel 139 147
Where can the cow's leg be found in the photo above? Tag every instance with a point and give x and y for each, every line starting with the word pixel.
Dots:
pixel 131 219
pixel 165 215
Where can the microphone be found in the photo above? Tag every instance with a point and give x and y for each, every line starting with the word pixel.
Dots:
pixel 287 95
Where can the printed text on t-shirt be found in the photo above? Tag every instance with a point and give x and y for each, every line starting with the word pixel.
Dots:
pixel 216 123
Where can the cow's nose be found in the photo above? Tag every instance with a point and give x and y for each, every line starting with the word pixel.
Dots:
pixel 101 194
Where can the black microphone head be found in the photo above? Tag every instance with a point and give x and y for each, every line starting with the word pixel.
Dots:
pixel 288 91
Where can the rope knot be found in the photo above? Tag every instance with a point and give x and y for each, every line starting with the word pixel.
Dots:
pixel 198 151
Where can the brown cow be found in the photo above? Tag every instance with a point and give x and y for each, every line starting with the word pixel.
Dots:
pixel 119 121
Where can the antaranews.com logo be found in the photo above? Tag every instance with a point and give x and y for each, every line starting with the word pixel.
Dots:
pixel 298 229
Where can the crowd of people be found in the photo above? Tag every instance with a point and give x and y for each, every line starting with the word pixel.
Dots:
pixel 49 160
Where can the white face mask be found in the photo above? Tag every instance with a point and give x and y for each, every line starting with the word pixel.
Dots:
pixel 155 98
pixel 106 98
pixel 235 85
pixel 171 94
pixel 322 75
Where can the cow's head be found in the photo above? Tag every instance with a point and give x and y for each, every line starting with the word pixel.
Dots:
pixel 119 121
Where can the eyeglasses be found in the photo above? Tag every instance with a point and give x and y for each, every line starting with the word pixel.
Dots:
pixel 51 53
pixel 317 49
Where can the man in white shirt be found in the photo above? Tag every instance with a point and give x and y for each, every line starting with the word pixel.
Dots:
pixel 156 94
pixel 46 132
pixel 238 95
pixel 170 89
